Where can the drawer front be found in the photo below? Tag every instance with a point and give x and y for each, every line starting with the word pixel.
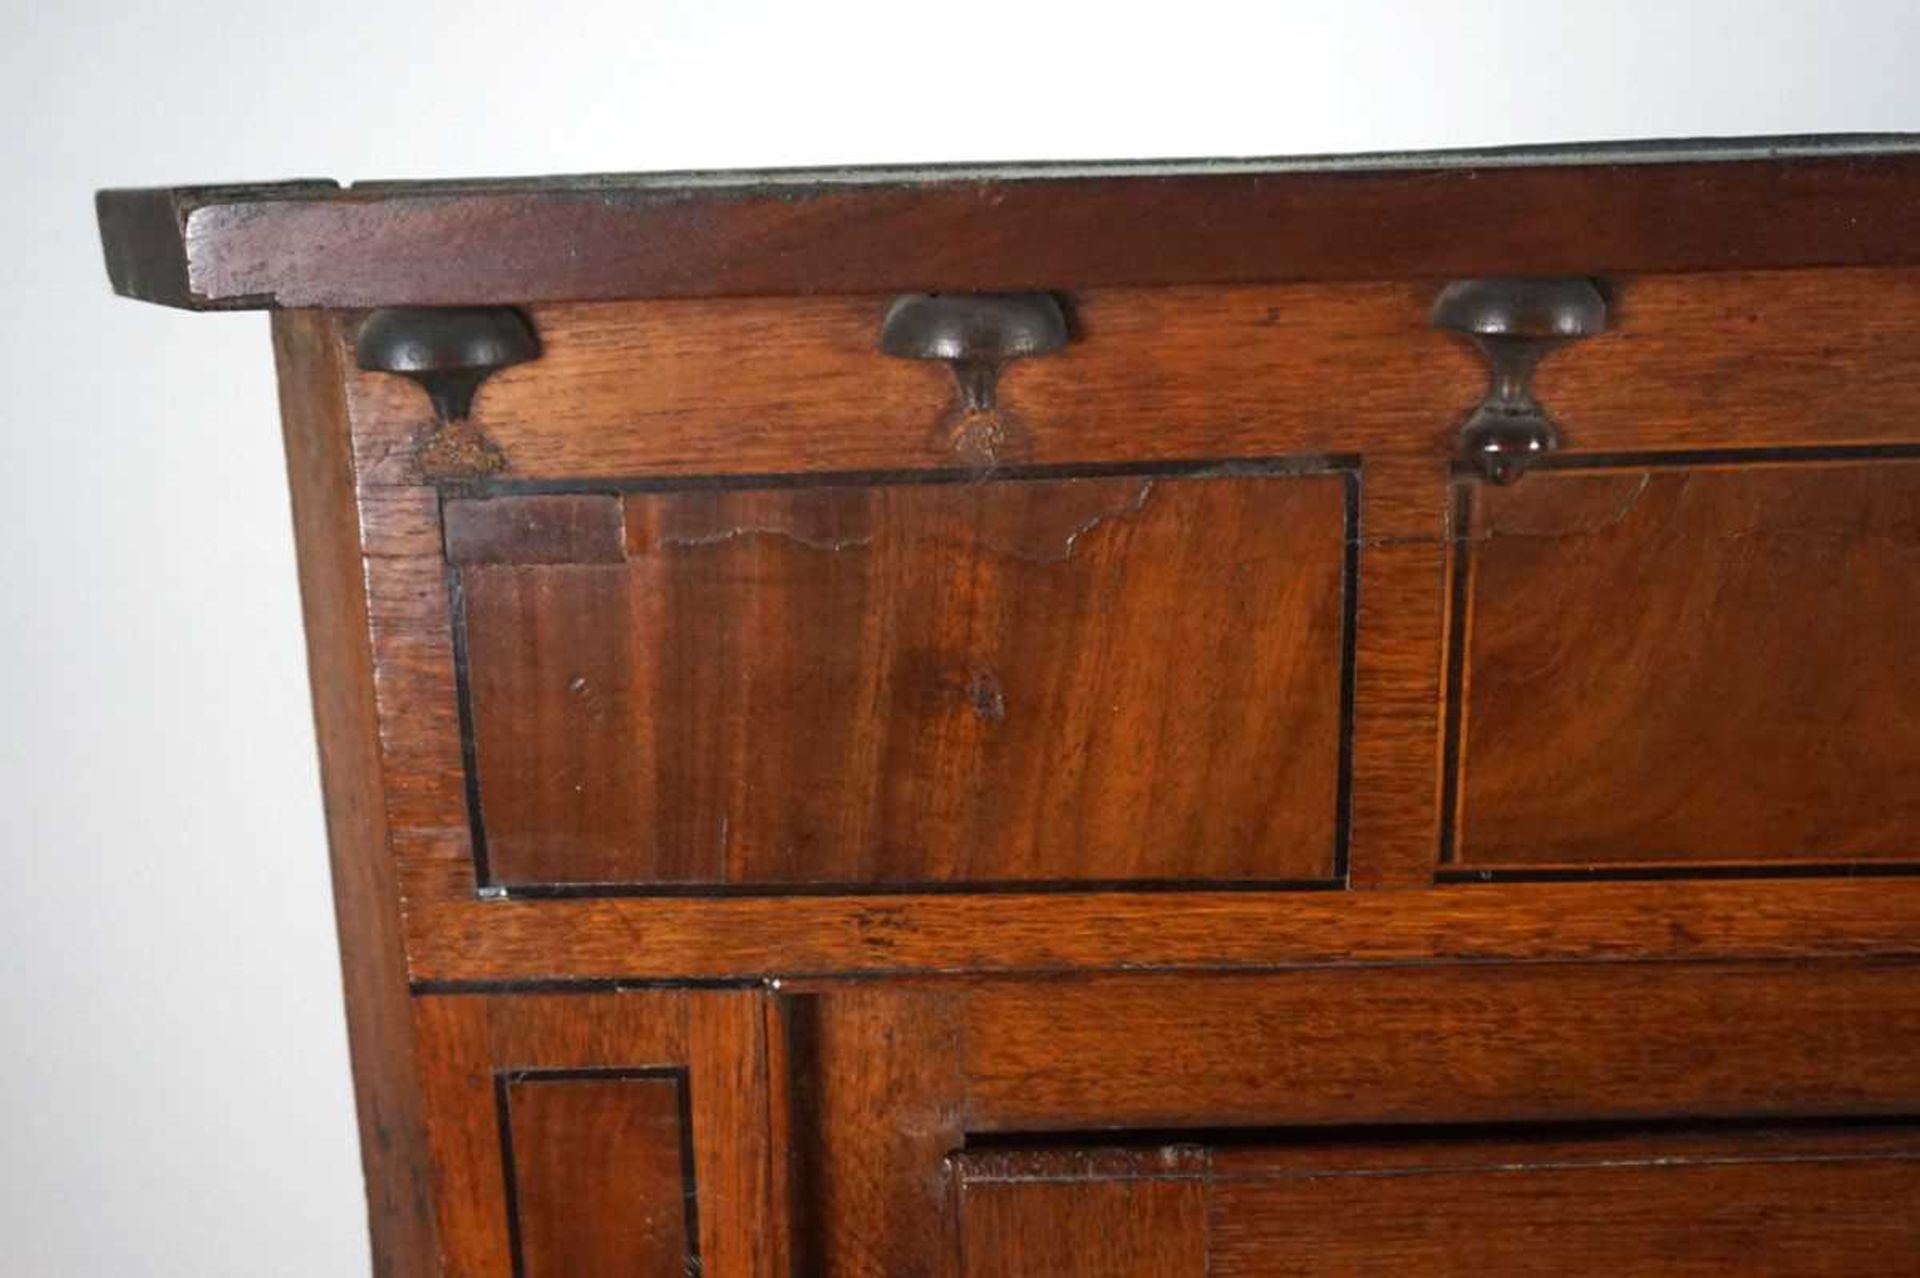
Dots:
pixel 1693 665
pixel 1785 1204
pixel 1491 1119
pixel 1040 679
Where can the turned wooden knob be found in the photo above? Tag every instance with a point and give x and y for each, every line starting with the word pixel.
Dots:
pixel 976 334
pixel 1516 323
pixel 448 350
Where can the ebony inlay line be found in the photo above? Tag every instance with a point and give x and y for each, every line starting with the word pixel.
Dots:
pixel 1460 593
pixel 1349 663
pixel 1345 465
pixel 1669 870
pixel 505 1080
pixel 1452 870
pixel 1210 468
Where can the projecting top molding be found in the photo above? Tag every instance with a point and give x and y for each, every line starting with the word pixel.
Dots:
pixel 1612 209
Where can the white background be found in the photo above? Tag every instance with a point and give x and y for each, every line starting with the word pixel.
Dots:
pixel 174 1096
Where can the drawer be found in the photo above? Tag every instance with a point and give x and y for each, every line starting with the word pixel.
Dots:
pixel 1502 1119
pixel 1787 1203
pixel 920 680
pixel 1694 665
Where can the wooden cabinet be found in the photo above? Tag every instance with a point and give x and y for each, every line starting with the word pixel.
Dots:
pixel 1278 721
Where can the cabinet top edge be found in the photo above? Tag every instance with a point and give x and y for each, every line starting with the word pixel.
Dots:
pixel 1604 207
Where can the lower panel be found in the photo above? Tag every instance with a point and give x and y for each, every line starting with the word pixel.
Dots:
pixel 600 1174
pixel 1784 1203
pixel 582 1135
pixel 946 1121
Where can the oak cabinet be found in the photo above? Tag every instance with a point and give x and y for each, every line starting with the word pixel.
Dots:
pixel 1257 719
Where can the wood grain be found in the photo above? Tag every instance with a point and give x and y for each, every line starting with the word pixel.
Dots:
pixel 1031 680
pixel 1757 360
pixel 1609 209
pixel 340 662
pixel 1839 1218
pixel 1084 1230
pixel 878 1077
pixel 599 1189
pixel 942 1087
pixel 740 1142
pixel 1399 686
pixel 751 608
pixel 599 1157
pixel 1795 1202
pixel 455 937
pixel 1693 664
pixel 1445 1044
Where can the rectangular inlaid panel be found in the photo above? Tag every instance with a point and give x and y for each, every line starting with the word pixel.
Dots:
pixel 1788 1204
pixel 1689 665
pixel 599 1178
pixel 1121 677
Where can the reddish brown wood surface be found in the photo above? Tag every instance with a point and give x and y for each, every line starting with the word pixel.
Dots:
pixel 1088 1229
pixel 456 937
pixel 366 898
pixel 876 1097
pixel 1797 1219
pixel 1790 1203
pixel 598 1169
pixel 744 608
pixel 1028 680
pixel 1398 685
pixel 1442 1044
pixel 927 1091
pixel 1655 207
pixel 1748 359
pixel 1693 664
pixel 598 1185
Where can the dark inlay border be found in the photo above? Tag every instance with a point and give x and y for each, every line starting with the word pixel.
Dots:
pixel 1466 483
pixel 505 1080
pixel 1348 466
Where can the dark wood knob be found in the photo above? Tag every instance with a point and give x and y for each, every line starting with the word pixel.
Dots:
pixel 449 351
pixel 977 334
pixel 1516 323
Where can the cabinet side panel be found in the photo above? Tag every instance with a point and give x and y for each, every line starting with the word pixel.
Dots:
pixel 366 899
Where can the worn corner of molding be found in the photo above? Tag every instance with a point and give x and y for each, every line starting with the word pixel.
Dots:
pixel 457 450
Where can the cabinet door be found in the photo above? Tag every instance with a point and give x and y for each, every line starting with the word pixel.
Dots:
pixel 1361 1121
pixel 600 1135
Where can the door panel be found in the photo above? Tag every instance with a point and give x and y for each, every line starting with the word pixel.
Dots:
pixel 1117 678
pixel 575 1135
pixel 1690 665
pixel 946 1123
pixel 599 1173
pixel 1789 1204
